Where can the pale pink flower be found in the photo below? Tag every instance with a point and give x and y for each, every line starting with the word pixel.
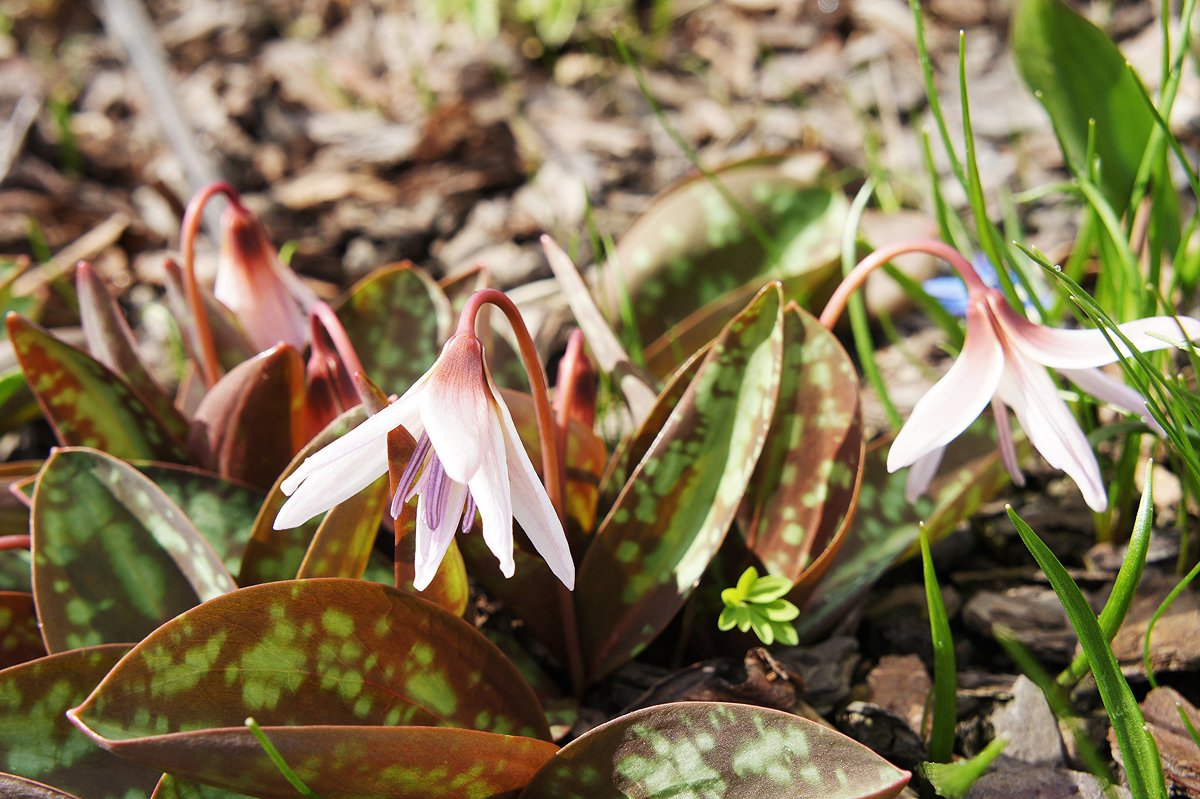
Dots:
pixel 468 456
pixel 1003 362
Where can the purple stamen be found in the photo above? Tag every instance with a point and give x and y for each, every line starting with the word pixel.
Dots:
pixel 437 493
pixel 468 518
pixel 409 477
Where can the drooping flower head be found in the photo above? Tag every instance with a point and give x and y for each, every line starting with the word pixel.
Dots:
pixel 468 456
pixel 1004 363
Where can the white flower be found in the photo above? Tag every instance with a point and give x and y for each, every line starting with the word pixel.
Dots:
pixel 468 455
pixel 1003 361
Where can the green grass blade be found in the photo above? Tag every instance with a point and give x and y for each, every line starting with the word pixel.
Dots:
pixel 945 670
pixel 1139 752
pixel 1124 587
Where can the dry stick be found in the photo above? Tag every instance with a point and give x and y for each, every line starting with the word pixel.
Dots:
pixel 548 439
pixel 86 246
pixel 12 139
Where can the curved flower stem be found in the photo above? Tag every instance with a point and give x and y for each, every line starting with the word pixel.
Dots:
pixel 14 542
pixel 548 439
pixel 210 367
pixel 858 275
pixel 329 321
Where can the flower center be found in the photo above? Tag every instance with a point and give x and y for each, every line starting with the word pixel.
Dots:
pixel 432 483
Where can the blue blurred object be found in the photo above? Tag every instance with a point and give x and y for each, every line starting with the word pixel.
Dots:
pixel 951 293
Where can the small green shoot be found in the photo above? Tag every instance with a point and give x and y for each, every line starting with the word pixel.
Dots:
pixel 757 603
pixel 280 763
pixel 945 669
pixel 954 780
pixel 1139 752
pixel 286 251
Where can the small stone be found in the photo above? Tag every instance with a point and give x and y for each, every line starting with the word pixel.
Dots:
pixel 1029 725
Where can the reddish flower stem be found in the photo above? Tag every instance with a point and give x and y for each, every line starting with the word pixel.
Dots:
pixel 210 366
pixel 859 274
pixel 341 341
pixel 548 439
pixel 14 542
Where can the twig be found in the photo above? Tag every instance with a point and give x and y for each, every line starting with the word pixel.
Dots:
pixel 83 248
pixel 12 139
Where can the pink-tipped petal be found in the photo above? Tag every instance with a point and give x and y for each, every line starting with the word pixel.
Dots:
pixel 1081 349
pixel 531 505
pixel 490 487
pixel 456 407
pixel 332 483
pixel 401 413
pixel 432 543
pixel 921 474
pixel 1008 448
pixel 955 400
pixel 1114 392
pixel 1053 431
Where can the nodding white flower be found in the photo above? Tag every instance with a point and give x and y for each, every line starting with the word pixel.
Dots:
pixel 468 456
pixel 1003 362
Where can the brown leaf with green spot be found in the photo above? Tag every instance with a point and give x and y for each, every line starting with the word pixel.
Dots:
pixel 85 402
pixel 305 652
pixel 14 787
pixel 38 742
pixel 342 544
pixel 802 493
pixel 397 318
pixel 20 636
pixel 248 425
pixel 113 557
pixel 111 342
pixel 277 554
pixel 715 749
pixel 674 511
pixel 691 258
pixel 885 524
pixel 222 510
pixel 16 570
pixel 14 505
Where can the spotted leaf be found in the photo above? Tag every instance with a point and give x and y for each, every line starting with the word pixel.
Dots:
pixel 85 402
pixel 113 557
pixel 14 503
pixel 38 742
pixel 342 544
pixel 715 749
pixel 397 318
pixel 20 635
pixel 249 424
pixel 795 513
pixel 674 511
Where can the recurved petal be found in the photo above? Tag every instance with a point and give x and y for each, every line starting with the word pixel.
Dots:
pixel 1027 388
pixel 1081 349
pixel 332 483
pixel 921 474
pixel 432 544
pixel 1112 391
pixel 531 505
pixel 456 407
pixel 955 400
pixel 490 488
pixel 402 412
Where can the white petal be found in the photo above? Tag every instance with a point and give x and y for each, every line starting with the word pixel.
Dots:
pixel 432 544
pixel 957 399
pixel 333 483
pixel 1112 391
pixel 456 408
pixel 402 412
pixel 1053 431
pixel 1080 349
pixel 921 474
pixel 1008 449
pixel 531 505
pixel 490 488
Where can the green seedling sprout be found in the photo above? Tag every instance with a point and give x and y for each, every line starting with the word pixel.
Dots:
pixel 757 603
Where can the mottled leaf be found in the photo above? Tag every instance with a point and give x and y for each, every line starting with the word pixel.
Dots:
pixel 14 505
pixel 885 524
pixel 111 342
pixel 397 318
pixel 692 248
pixel 248 426
pixel 715 749
pixel 16 570
pixel 170 787
pixel 113 557
pixel 85 403
pixel 277 554
pixel 13 787
pixel 20 636
pixel 342 544
pixel 222 510
pixel 38 742
pixel 802 491
pixel 296 652
pixel 674 511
